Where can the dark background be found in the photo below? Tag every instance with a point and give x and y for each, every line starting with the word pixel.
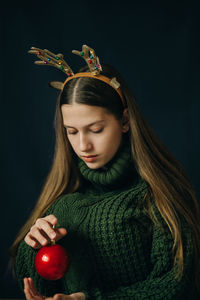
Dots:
pixel 154 44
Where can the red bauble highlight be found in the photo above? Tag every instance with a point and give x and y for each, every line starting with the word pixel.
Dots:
pixel 52 262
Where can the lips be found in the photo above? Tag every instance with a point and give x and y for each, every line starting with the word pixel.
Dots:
pixel 89 156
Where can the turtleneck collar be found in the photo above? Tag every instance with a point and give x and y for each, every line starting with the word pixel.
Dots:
pixel 119 171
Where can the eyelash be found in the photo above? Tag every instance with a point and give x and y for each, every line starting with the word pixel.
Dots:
pixel 92 131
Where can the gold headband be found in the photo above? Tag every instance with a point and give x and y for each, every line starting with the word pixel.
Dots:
pixel 56 60
pixel 109 81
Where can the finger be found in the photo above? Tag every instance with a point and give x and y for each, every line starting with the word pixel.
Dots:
pixel 74 296
pixel 31 241
pixel 31 291
pixel 60 233
pixel 28 295
pixel 38 235
pixel 51 219
pixel 26 283
pixel 27 291
pixel 32 287
pixel 46 227
pixel 62 297
pixel 57 297
pixel 78 296
pixel 38 238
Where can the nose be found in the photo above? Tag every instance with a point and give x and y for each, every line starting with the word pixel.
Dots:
pixel 84 144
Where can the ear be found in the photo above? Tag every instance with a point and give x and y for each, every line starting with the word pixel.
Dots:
pixel 56 84
pixel 125 120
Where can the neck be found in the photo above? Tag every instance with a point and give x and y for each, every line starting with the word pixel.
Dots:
pixel 118 172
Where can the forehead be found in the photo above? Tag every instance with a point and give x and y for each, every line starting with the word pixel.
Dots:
pixel 83 113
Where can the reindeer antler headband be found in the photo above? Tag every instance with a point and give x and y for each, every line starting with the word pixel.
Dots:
pixel 56 60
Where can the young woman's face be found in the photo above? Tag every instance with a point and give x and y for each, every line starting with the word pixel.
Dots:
pixel 92 131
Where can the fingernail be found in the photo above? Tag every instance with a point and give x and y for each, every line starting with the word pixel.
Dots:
pixel 52 235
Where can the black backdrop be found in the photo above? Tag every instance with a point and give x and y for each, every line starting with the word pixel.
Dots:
pixel 154 44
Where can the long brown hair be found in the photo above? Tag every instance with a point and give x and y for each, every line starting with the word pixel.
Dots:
pixel 172 191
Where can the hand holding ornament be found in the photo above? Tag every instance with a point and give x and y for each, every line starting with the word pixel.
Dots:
pixel 42 232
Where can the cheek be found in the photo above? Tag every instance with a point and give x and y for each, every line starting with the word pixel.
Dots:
pixel 110 141
pixel 72 142
pixel 114 136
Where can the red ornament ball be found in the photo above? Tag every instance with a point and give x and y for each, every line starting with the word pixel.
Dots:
pixel 52 262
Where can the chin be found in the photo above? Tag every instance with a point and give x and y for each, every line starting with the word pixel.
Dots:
pixel 94 166
pixel 97 165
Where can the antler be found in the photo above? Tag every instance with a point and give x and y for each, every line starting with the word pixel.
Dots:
pixel 49 58
pixel 91 59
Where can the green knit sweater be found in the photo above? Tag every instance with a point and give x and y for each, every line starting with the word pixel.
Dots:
pixel 116 251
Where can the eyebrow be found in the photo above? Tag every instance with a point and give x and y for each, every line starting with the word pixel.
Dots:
pixel 67 126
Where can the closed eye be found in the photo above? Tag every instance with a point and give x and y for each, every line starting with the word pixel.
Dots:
pixel 98 131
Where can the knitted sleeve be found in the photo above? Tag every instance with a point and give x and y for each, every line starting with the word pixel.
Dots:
pixel 160 283
pixel 24 267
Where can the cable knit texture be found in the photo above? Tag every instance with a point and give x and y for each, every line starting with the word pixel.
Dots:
pixel 116 251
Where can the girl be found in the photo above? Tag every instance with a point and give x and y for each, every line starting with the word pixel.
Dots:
pixel 127 213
